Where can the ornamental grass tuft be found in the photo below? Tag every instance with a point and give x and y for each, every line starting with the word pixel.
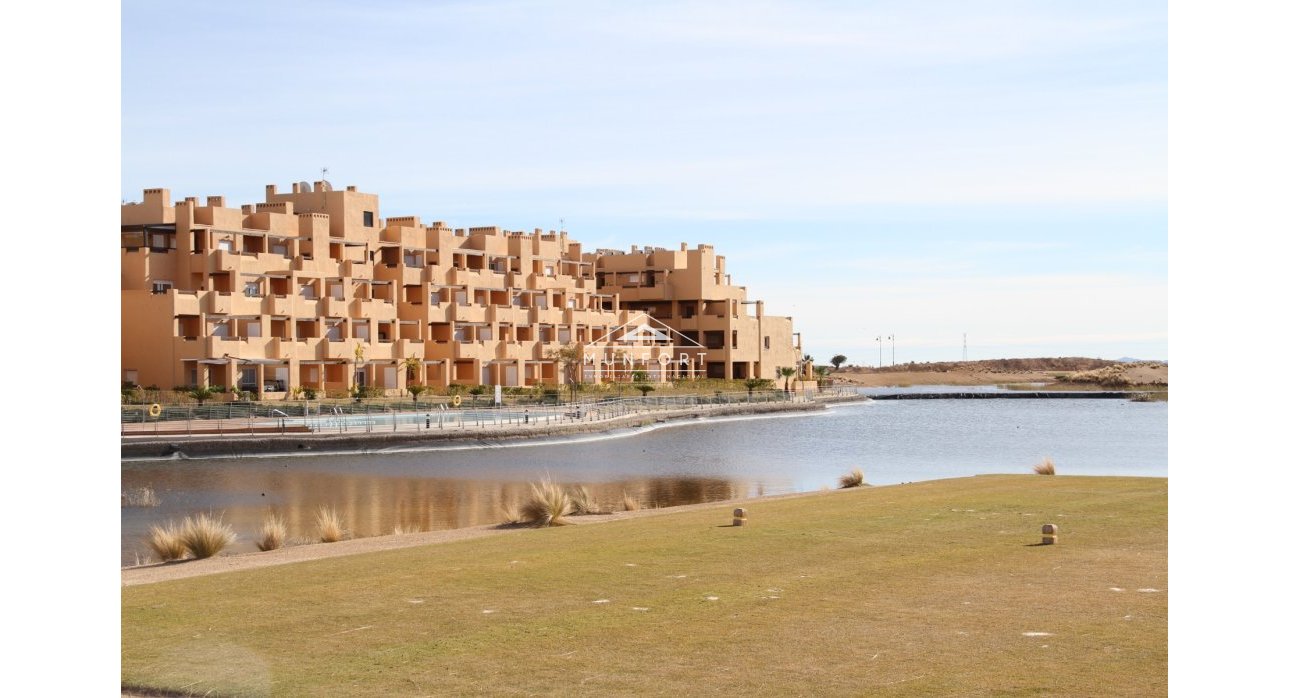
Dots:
pixel 165 541
pixel 548 504
pixel 1046 467
pixel 855 478
pixel 330 526
pixel 273 534
pixel 205 535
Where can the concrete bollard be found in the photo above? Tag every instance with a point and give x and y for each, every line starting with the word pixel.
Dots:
pixel 1049 532
pixel 741 517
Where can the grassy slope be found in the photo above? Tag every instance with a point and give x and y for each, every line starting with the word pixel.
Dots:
pixel 907 590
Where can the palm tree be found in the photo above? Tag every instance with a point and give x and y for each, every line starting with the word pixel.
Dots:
pixel 201 394
pixel 413 366
pixel 755 384
pixel 786 373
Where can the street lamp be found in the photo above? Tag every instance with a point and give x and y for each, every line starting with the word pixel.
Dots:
pixel 879 340
pixel 892 337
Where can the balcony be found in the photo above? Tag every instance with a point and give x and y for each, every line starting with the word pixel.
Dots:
pixel 412 276
pixel 278 305
pixel 474 350
pixel 467 313
pixel 337 349
pixel 221 261
pixel 186 303
pixel 407 348
pixel 374 309
pixel 219 303
pixel 356 270
pixel 333 307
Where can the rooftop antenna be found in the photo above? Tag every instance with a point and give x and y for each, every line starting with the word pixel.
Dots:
pixel 562 225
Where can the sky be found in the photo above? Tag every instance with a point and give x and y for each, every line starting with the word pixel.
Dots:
pixel 996 169
pixel 975 180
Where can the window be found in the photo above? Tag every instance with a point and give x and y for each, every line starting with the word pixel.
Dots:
pixel 226 245
pixel 766 342
pixel 252 289
pixel 161 286
pixel 369 219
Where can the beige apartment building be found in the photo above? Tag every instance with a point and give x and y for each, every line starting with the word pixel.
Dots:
pixel 313 288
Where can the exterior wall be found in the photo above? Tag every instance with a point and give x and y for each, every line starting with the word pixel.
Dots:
pixel 313 288
pixel 689 290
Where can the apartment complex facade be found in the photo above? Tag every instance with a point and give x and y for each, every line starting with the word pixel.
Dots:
pixel 313 289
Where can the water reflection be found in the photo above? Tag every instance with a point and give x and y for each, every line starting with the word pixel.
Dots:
pixel 439 488
pixel 369 505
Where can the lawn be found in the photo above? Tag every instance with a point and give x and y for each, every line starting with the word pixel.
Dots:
pixel 933 588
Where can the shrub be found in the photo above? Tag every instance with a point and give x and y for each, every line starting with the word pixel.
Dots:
pixel 548 504
pixel 206 535
pixel 1046 467
pixel 273 534
pixel 855 478
pixel 201 395
pixel 330 528
pixel 399 530
pixel 581 503
pixel 630 503
pixel 165 541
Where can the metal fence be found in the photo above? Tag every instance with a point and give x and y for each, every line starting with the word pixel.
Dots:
pixel 405 415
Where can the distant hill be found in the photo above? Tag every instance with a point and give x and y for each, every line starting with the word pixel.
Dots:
pixel 1067 363
pixel 1128 360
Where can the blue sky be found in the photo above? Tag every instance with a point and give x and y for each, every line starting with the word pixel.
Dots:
pixel 922 170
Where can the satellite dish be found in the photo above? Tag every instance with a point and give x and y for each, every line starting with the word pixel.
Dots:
pixel 304 186
pixel 324 185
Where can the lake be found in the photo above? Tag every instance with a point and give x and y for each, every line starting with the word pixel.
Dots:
pixel 457 485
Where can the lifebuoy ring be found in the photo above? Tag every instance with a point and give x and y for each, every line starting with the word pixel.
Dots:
pixel 456 401
pixel 154 410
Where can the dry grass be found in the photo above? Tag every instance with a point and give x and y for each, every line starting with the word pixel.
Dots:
pixel 855 478
pixel 581 502
pixel 630 503
pixel 330 526
pixel 511 513
pixel 166 542
pixel 273 534
pixel 1046 467
pixel 140 497
pixel 205 535
pixel 548 504
pixel 952 610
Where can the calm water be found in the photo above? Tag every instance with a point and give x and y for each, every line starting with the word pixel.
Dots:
pixel 456 486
